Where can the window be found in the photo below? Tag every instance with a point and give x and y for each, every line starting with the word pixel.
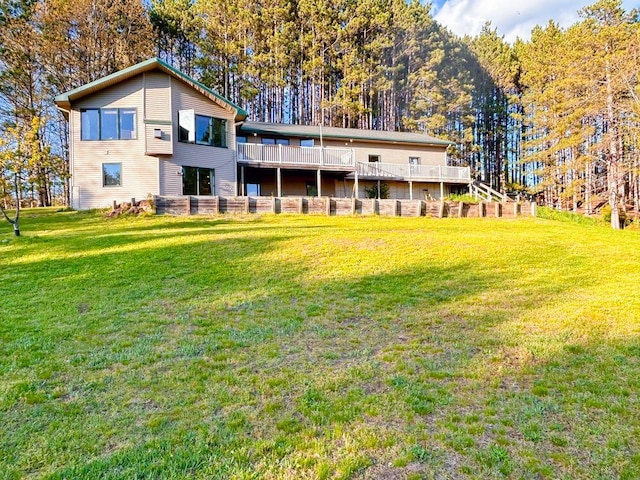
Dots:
pixel 374 158
pixel 241 139
pixel 253 189
pixel 201 129
pixel 108 124
pixel 414 161
pixel 90 128
pixel 307 142
pixel 275 141
pixel 111 174
pixel 198 181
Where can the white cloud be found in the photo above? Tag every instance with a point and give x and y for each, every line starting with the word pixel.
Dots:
pixel 512 19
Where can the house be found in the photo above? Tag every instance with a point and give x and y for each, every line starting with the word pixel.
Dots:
pixel 150 129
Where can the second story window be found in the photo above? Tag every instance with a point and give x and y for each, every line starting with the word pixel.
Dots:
pixel 108 124
pixel 201 129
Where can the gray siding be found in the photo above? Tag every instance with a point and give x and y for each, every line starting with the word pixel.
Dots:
pixel 139 171
pixel 222 160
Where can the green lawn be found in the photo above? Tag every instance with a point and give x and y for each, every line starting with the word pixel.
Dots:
pixel 313 347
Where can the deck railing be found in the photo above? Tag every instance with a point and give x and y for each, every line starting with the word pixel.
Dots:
pixel 393 171
pixel 303 156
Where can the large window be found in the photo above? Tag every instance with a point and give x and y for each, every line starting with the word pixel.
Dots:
pixel 307 142
pixel 111 174
pixel 201 129
pixel 108 124
pixel 253 189
pixel 198 181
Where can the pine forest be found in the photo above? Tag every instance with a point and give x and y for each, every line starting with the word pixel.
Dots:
pixel 555 117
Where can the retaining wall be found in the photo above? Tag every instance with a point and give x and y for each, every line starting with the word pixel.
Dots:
pixel 192 205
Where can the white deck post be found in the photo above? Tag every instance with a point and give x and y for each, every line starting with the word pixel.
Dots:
pixel 442 190
pixel 242 188
pixel 378 189
pixel 410 190
pixel 319 181
pixel 279 181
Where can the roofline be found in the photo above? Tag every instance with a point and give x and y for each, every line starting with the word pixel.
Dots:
pixel 64 100
pixel 436 143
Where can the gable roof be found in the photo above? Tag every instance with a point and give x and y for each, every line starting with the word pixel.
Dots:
pixel 311 131
pixel 64 100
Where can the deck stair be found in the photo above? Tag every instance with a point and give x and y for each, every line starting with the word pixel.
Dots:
pixel 484 192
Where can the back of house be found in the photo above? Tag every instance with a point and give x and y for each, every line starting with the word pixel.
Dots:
pixel 151 130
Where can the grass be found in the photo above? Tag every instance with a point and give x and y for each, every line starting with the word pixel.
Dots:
pixel 314 347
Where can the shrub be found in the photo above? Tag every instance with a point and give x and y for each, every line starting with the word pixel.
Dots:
pixel 372 192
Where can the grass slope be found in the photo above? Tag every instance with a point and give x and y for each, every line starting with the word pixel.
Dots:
pixel 313 347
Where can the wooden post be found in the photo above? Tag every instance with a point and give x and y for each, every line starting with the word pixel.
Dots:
pixel 373 206
pixel 133 202
pixel 188 202
pixel 279 181
pixel 534 208
pixel 460 209
pixel 419 210
pixel 217 200
pixel 482 209
pixel 273 205
pixel 246 204
pixel 115 205
pixel 498 210
pixel 353 205
pixel 396 204
pixel 355 185
pixel 516 209
pixel 300 205
pixel 327 206
pixel 441 208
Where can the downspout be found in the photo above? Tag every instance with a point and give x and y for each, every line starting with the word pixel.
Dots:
pixel 71 163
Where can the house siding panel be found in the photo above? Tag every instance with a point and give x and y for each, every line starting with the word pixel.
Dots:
pixel 139 171
pixel 222 160
pixel 157 113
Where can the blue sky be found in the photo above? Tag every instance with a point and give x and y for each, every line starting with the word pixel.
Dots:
pixel 513 18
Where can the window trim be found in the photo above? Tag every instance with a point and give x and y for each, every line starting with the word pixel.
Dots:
pixel 118 127
pixel 104 184
pixel 378 158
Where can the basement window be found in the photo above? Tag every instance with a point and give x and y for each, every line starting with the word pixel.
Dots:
pixel 198 181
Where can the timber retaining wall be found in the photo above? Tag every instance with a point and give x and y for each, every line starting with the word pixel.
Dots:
pixel 200 205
